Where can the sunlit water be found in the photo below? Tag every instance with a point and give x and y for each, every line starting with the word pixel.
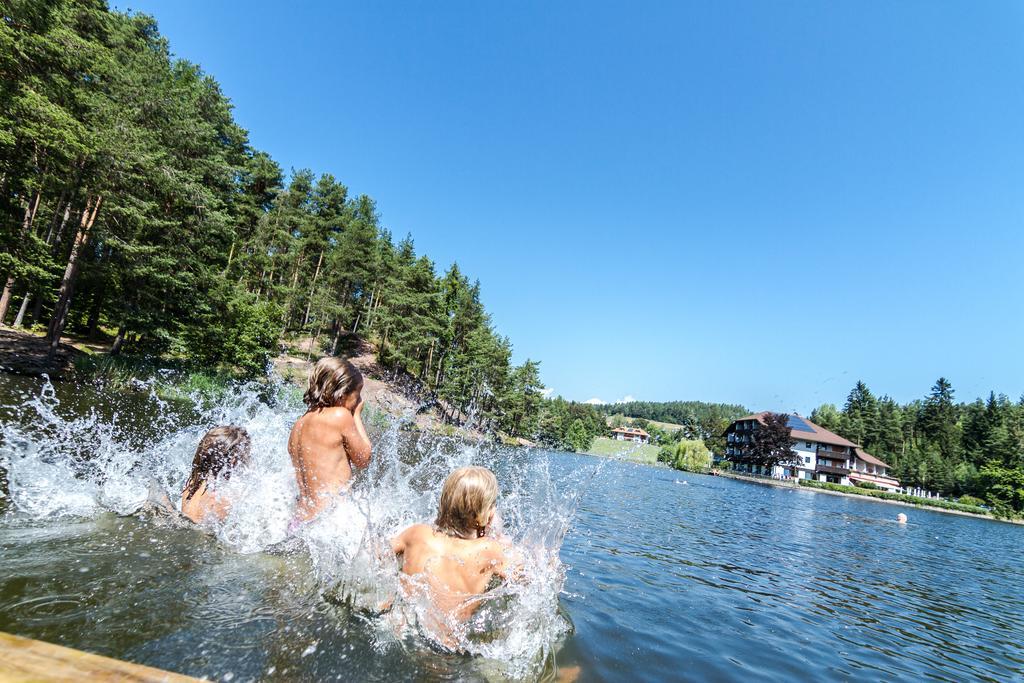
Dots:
pixel 663 575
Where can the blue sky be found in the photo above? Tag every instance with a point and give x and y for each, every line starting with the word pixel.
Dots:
pixel 753 202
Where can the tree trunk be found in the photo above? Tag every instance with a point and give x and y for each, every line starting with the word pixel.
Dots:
pixel 122 332
pixel 58 234
pixel 26 228
pixel 21 311
pixel 373 293
pixel 231 255
pixel 55 219
pixel 430 359
pixel 5 298
pixel 94 314
pixel 37 309
pixel 30 212
pixel 337 336
pixel 67 284
pixel 291 295
pixel 313 344
pixel 312 288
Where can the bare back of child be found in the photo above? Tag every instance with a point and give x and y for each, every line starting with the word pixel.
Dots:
pixel 329 439
pixel 452 562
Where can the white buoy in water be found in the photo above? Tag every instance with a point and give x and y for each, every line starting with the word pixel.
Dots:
pixel 901 518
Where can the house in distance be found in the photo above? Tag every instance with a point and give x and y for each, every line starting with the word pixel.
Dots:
pixel 821 455
pixel 634 434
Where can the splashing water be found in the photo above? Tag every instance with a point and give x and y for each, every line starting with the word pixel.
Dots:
pixel 64 465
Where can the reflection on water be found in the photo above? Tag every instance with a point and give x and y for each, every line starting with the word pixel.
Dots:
pixel 716 580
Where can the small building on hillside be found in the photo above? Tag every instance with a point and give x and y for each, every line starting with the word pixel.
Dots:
pixel 821 455
pixel 634 434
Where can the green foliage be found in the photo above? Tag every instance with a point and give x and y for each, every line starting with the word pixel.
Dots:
pixel 691 455
pixel 200 248
pixel 970 500
pixel 240 331
pixel 957 449
pixel 1004 489
pixel 886 495
pixel 772 444
pixel 558 417
pixel 577 437
pixel 866 485
pixel 699 420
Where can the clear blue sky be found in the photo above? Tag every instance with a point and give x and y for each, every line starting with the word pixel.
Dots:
pixel 755 202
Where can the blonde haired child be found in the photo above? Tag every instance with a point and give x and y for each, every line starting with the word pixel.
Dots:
pixel 451 562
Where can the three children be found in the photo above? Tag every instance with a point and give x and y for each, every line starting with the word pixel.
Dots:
pixel 449 564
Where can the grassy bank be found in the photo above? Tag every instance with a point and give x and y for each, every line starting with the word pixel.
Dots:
pixel 171 378
pixel 899 497
pixel 624 450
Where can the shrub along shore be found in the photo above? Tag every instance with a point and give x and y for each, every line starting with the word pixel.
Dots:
pixel 935 504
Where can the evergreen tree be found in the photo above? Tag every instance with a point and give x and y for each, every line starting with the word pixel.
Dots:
pixel 577 437
pixel 938 421
pixel 827 416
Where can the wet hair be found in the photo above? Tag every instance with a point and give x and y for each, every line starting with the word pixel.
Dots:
pixel 467 496
pixel 330 381
pixel 220 450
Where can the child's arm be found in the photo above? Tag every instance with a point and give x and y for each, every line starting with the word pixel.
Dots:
pixel 508 561
pixel 398 542
pixel 357 443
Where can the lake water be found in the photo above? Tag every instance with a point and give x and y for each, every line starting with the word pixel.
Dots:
pixel 664 575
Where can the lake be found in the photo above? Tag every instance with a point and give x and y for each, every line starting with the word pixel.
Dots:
pixel 664 575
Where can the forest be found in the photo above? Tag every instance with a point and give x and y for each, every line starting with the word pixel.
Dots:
pixel 959 449
pixel 699 420
pixel 136 210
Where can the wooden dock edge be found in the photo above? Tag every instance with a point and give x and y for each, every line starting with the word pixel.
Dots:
pixel 23 660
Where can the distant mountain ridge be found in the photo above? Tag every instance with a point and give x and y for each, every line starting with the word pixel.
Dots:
pixel 677 412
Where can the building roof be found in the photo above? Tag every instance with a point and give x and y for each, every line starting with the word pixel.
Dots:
pixel 631 431
pixel 870 459
pixel 802 429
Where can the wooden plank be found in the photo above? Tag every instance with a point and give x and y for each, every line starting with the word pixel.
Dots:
pixel 23 660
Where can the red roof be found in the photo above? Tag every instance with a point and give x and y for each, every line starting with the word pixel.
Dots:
pixel 870 459
pixel 818 435
pixel 631 431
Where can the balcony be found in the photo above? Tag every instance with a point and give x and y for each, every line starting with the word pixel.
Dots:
pixel 828 469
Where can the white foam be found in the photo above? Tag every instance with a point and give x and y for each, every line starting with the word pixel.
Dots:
pixel 64 466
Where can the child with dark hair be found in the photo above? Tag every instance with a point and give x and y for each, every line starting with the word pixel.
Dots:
pixel 330 439
pixel 221 450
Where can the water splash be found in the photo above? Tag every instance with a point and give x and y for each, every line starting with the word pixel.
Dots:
pixel 63 462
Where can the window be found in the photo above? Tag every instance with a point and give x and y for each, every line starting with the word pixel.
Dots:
pixel 807 460
pixel 809 445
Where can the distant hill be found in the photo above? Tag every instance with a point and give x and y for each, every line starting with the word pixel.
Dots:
pixel 698 419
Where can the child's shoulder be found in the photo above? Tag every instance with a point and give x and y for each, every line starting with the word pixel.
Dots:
pixel 418 532
pixel 489 547
pixel 330 414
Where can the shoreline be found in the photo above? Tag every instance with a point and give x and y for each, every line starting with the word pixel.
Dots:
pixel 795 486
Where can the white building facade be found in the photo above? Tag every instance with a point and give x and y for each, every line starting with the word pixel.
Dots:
pixel 820 455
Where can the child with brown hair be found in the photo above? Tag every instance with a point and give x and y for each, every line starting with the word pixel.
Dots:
pixel 453 561
pixel 330 439
pixel 220 451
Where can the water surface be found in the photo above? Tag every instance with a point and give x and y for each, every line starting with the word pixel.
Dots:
pixel 664 575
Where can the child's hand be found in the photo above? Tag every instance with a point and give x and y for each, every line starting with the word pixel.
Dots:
pixel 359 407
